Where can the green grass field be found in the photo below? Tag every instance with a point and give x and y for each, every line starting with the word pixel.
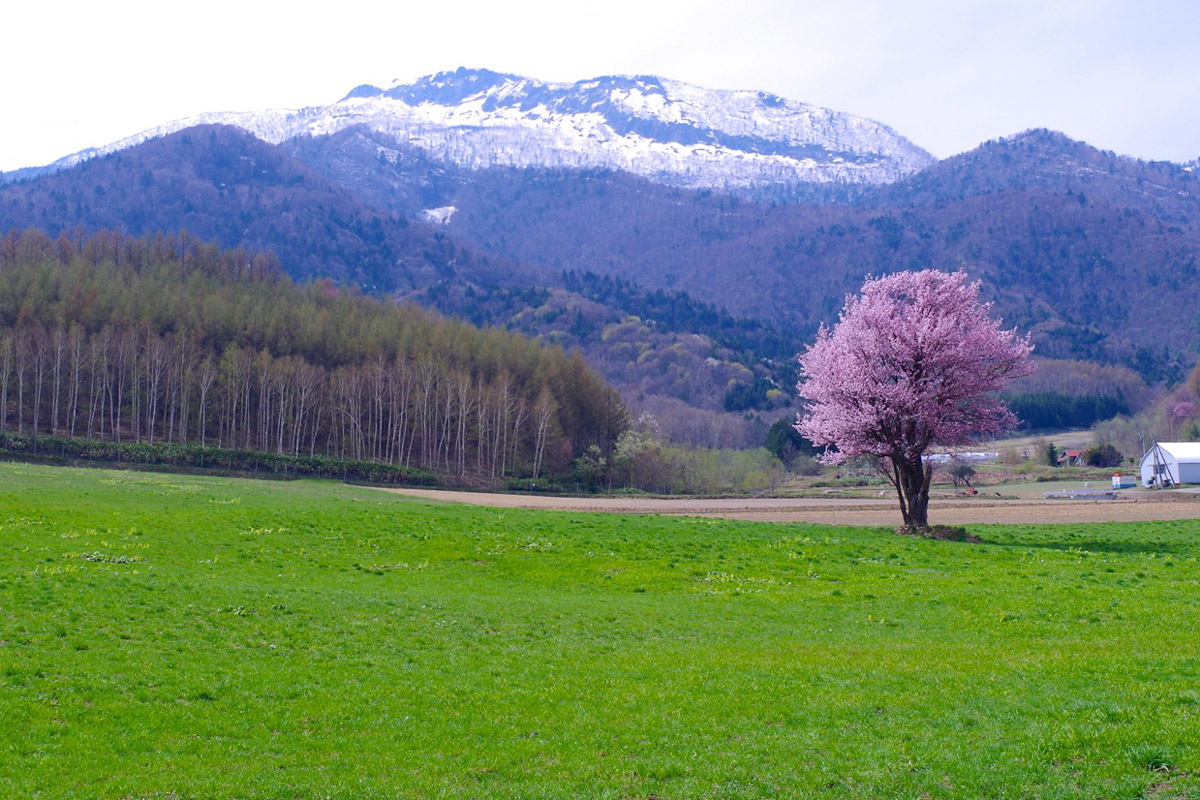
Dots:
pixel 192 637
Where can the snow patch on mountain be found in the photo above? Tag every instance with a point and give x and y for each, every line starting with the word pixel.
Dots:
pixel 665 130
pixel 439 216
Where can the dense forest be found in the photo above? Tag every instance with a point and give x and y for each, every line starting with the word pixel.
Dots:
pixel 1053 411
pixel 223 185
pixel 1072 244
pixel 360 223
pixel 168 339
pixel 635 338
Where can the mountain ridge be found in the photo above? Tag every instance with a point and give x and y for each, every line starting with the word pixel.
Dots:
pixel 222 184
pixel 1069 240
pixel 670 131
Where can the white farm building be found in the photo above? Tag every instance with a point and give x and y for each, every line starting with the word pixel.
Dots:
pixel 1171 463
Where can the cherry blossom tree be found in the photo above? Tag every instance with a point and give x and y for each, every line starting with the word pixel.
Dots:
pixel 913 362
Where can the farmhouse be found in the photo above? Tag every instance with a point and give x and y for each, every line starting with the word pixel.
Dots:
pixel 1171 463
pixel 1072 458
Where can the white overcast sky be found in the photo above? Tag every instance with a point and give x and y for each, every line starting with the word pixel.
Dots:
pixel 1123 75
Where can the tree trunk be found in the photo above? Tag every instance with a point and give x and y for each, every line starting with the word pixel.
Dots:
pixel 911 477
pixel 5 369
pixel 58 355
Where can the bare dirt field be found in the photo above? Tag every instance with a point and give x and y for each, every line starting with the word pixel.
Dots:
pixel 1133 505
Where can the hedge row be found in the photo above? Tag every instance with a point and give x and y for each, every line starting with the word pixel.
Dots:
pixel 193 456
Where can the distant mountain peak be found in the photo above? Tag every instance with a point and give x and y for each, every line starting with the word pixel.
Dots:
pixel 671 132
pixel 666 130
pixel 1050 161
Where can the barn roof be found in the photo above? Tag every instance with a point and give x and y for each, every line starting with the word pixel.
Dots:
pixel 1185 452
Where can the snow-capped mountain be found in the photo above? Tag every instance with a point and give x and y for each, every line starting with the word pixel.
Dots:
pixel 665 130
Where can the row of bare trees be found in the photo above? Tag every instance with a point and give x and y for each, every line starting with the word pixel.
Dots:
pixel 179 344
pixel 125 385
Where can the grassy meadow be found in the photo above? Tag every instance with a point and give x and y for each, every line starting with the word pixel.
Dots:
pixel 168 636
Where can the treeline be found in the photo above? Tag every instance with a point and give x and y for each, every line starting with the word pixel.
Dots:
pixel 192 456
pixel 1084 378
pixel 1051 410
pixel 165 339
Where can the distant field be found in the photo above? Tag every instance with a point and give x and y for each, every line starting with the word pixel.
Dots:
pixel 1010 504
pixel 194 637
pixel 1067 440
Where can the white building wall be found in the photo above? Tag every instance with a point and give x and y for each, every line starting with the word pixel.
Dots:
pixel 1166 464
pixel 1189 472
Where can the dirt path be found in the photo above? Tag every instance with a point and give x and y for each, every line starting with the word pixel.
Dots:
pixel 851 511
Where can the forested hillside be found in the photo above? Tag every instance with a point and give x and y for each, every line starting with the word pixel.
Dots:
pixel 167 339
pixel 692 303
pixel 1072 244
pixel 221 184
pixel 657 346
pixel 356 220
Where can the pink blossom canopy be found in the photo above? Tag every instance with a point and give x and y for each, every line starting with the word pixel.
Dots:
pixel 1183 410
pixel 914 361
